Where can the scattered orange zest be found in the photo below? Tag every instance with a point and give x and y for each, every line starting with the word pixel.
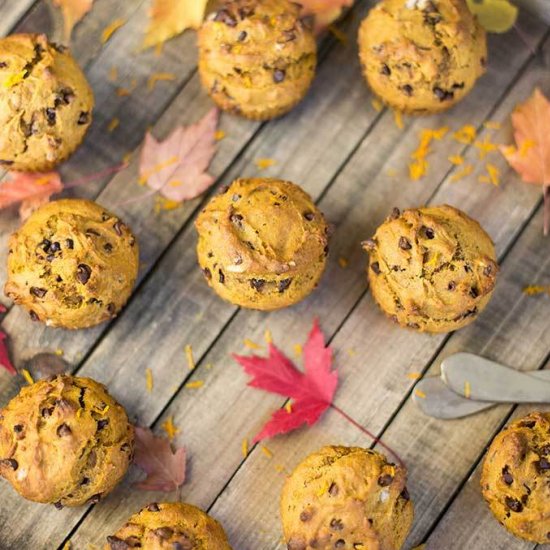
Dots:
pixel 189 356
pixel 110 29
pixel 244 447
pixel 264 163
pixel 250 344
pixel 27 376
pixel 377 105
pixel 457 160
pixel 14 79
pixel 113 125
pixel 467 390
pixel 420 393
pixel 535 290
pixel 195 384
pixel 170 428
pixel 398 119
pixel 149 380
pixel 414 375
pixel 466 171
pixel 266 451
pixel 159 77
pixel 493 175
pixel 288 407
pixel 268 337
pixel 219 135
pixel 297 350
pixel 343 262
pixel 467 134
pixel 485 147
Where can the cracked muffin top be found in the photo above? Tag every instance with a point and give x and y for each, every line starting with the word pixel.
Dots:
pixel 431 269
pixel 422 56
pixel 64 441
pixel 262 244
pixel 45 103
pixel 515 479
pixel 169 526
pixel 346 498
pixel 72 264
pixel 257 58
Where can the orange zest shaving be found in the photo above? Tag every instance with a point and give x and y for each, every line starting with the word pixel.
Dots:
pixel 467 134
pixel 414 375
pixel 485 147
pixel 170 428
pixel 250 344
pixel 377 105
pixel 195 384
pixel 343 262
pixel 467 390
pixel 267 336
pixel 149 380
pixel 418 168
pixel 110 29
pixel 14 79
pixel 297 350
pixel 493 175
pixel 288 407
pixel 264 163
pixel 535 290
pixel 159 77
pixel 457 160
pixel 398 119
pixel 59 352
pixel 113 125
pixel 420 393
pixel 27 376
pixel 219 135
pixel 189 356
pixel 266 451
pixel 466 171
pixel 244 447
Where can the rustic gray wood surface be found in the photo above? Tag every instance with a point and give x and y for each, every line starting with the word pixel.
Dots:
pixel 353 160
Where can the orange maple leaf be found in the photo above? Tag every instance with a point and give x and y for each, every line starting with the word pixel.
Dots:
pixel 531 156
pixel 73 11
pixel 171 17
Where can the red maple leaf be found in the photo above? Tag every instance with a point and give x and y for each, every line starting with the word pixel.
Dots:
pixel 312 391
pixel 165 468
pixel 4 356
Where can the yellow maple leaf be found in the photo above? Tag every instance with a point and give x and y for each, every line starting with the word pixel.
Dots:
pixel 494 15
pixel 72 11
pixel 171 17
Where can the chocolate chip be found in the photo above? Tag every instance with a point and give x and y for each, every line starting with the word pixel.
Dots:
pixel 474 292
pixel 83 273
pixel 375 266
pixel 306 515
pixel 111 308
pixel 3 64
pixel 58 505
pixel 405 494
pixel 544 450
pixel 488 270
pixel 223 16
pixel 242 36
pixel 236 219
pixel 94 499
pixel 428 232
pixel 4 162
pixel 289 36
pixel 46 412
pixel 542 465
pixel 340 543
pixel 407 90
pixel 385 70
pixel 336 524
pixel 153 507
pixel 284 284
pixel 18 428
pixel 528 424
pixel 513 504
pixel 507 476
pixel 395 213
pixel 164 532
pixel 85 481
pixel 404 243
pixel 33 316
pixel 443 95
pixel 38 292
pixel 309 216
pixel 83 118
pixel 63 430
pixel 296 544
pixel 278 76
pixel 385 480
pixel 117 226
pixel 101 424
pixel 65 96
pixel 451 286
pixel 45 245
pixel 50 116
pixel 333 490
pixel 108 247
pixel 257 284
pixel 9 463
pixel 221 276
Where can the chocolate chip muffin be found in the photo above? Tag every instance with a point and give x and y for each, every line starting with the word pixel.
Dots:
pixel 170 525
pixel 262 244
pixel 515 479
pixel 422 56
pixel 64 441
pixel 431 269
pixel 257 58
pixel 72 264
pixel 45 103
pixel 348 498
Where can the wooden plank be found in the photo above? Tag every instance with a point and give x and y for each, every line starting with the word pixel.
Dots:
pixel 12 12
pixel 348 203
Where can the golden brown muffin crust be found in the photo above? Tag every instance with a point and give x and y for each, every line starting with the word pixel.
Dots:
pixel 515 479
pixel 45 103
pixel 170 526
pixel 72 264
pixel 257 58
pixel 64 441
pixel 262 244
pixel 346 498
pixel 432 269
pixel 422 56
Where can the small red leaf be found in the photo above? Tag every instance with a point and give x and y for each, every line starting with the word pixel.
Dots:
pixel 5 361
pixel 164 467
pixel 312 390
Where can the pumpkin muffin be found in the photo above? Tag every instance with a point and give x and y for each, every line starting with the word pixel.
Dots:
pixel 45 103
pixel 72 264
pixel 422 56
pixel 515 479
pixel 348 498
pixel 170 525
pixel 262 244
pixel 64 441
pixel 431 269
pixel 257 58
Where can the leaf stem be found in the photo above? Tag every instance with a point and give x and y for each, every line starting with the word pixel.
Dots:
pixel 370 434
pixel 96 176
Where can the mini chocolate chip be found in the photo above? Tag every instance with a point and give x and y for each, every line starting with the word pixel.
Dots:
pixel 207 273
pixel 428 232
pixel 306 515
pixel 289 36
pixel 488 270
pixel 117 544
pixel 45 245
pixel 507 476
pixel 236 219
pixel 83 273
pixel 451 286
pixel 18 428
pixel 278 76
pixel 164 532
pixel 83 118
pixel 102 423
pixel 385 479
pixel 369 244
pixel 528 424
pixel 443 95
pixel 63 430
pixel 85 481
pixel 108 247
pixel 375 266
pixel 544 450
pixel 336 524
pixel 333 490
pixel 408 89
pixel 153 507
pixel 55 247
pixel 223 16
pixel 9 463
pixel 284 284
pixel 46 412
pixel 125 447
pixel 404 243
pixel 385 70
pixel 242 36
pixel 94 499
pixel 3 64
pixel 542 465
pixel 111 308
pixel 4 162
pixel 514 504
pixel 405 494
pixel 309 216
pixel 58 505
pixel 221 276
pixel 117 226
pixel 33 316
pixel 474 292
pixel 50 116
pixel 257 284
pixel 395 213
pixel 458 85
pixel 38 292
pixel 340 543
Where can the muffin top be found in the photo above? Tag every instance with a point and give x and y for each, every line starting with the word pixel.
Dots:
pixel 422 55
pixel 72 264
pixel 339 497
pixel 515 478
pixel 170 525
pixel 45 103
pixel 65 441
pixel 431 268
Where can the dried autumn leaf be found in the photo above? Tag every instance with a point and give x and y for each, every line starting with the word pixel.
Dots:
pixel 531 156
pixel 325 12
pixel 73 11
pixel 30 189
pixel 176 167
pixel 496 16
pixel 164 467
pixel 5 362
pixel 171 17
pixel 312 391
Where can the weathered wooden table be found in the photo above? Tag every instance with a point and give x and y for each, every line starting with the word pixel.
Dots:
pixel 353 160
